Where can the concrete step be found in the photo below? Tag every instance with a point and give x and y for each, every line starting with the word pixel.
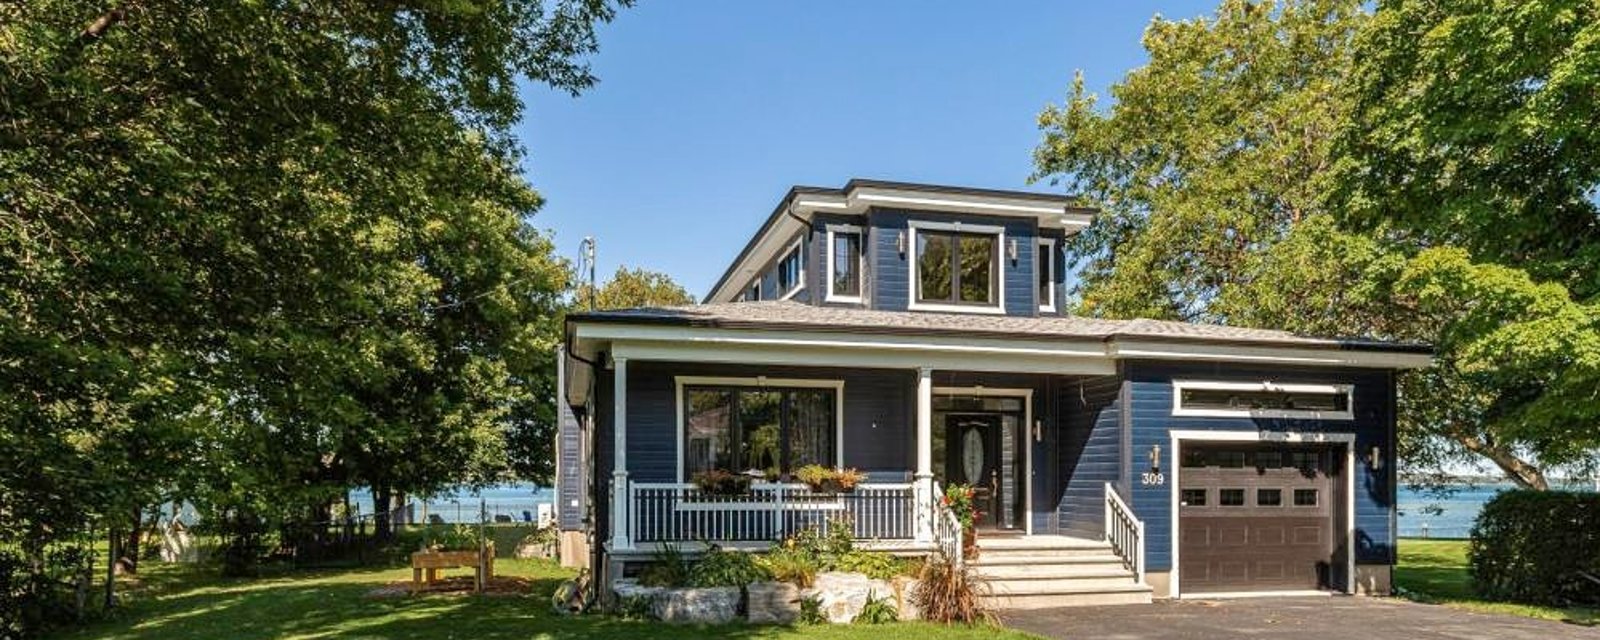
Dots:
pixel 1060 585
pixel 1039 543
pixel 1038 559
pixel 1130 594
pixel 1054 572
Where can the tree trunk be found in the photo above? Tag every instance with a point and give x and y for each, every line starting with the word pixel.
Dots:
pixel 1524 474
pixel 381 499
pixel 129 562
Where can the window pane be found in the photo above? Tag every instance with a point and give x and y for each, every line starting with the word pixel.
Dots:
pixel 1044 268
pixel 811 428
pixel 1194 497
pixel 1269 459
pixel 1194 458
pixel 1305 497
pixel 1242 400
pixel 933 266
pixel 846 262
pixel 709 426
pixel 977 268
pixel 789 271
pixel 760 445
pixel 1269 497
pixel 1229 459
pixel 1230 497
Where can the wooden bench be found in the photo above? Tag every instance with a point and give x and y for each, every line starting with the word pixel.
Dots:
pixel 425 566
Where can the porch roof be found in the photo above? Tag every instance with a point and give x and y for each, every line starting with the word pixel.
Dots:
pixel 794 316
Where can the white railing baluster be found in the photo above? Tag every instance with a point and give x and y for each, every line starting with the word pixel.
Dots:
pixel 1125 532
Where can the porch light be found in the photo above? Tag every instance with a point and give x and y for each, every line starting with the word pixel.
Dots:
pixel 1375 459
pixel 900 243
pixel 1038 431
pixel 1155 458
pixel 1011 250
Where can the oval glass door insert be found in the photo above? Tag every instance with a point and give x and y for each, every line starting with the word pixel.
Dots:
pixel 972 456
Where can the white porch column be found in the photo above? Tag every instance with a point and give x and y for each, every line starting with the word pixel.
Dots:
pixel 621 528
pixel 924 473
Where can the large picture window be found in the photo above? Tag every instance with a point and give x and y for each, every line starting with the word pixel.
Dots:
pixel 773 430
pixel 957 267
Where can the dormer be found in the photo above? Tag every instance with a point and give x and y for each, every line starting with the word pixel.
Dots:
pixel 901 246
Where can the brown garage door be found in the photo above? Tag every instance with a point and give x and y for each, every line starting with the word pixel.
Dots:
pixel 1256 517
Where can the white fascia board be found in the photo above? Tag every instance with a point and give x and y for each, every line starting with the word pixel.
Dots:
pixel 1045 346
pixel 860 357
pixel 1312 356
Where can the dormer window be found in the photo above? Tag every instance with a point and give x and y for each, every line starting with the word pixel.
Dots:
pixel 956 267
pixel 754 293
pixel 791 274
pixel 1045 271
pixel 844 263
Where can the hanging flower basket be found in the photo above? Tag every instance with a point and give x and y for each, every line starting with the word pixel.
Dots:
pixel 824 480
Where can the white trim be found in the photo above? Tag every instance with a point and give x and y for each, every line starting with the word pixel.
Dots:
pixel 1176 437
pixel 861 280
pixel 914 284
pixel 798 251
pixel 621 526
pixel 1049 242
pixel 1311 354
pixel 1179 386
pixel 679 382
pixel 1027 437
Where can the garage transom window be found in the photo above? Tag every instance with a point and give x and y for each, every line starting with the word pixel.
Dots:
pixel 1262 400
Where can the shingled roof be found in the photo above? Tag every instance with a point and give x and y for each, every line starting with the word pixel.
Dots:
pixel 794 316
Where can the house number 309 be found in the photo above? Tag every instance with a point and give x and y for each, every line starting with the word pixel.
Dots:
pixel 1149 478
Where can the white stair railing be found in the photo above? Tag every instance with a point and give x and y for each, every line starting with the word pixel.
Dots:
pixel 1125 533
pixel 947 532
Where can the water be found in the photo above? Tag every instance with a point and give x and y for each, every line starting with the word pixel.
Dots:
pixel 519 502
pixel 1455 513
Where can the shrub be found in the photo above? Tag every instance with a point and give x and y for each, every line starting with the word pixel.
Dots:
pixel 878 611
pixel 668 568
pixel 719 568
pixel 881 566
pixel 787 564
pixel 959 499
pixel 1538 547
pixel 948 593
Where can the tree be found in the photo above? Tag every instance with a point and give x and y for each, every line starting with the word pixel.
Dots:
pixel 250 251
pixel 634 288
pixel 1224 169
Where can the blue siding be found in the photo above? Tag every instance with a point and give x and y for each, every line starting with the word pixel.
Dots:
pixel 1090 452
pixel 1152 421
pixel 878 431
pixel 890 269
pixel 571 484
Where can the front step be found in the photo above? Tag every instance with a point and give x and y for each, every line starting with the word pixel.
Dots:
pixel 1036 572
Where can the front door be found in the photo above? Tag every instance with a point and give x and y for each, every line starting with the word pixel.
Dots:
pixel 973 457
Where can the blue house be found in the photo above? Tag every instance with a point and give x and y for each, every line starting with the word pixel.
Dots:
pixel 919 333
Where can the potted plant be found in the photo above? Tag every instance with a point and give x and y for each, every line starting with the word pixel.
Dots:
pixel 958 498
pixel 824 480
pixel 720 482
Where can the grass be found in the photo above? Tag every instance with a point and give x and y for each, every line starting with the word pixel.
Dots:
pixel 178 602
pixel 1435 571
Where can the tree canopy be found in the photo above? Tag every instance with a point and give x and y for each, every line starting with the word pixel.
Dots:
pixel 254 253
pixel 1248 175
pixel 634 288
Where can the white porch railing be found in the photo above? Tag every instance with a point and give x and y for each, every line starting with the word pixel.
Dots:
pixel 946 529
pixel 680 512
pixel 1125 532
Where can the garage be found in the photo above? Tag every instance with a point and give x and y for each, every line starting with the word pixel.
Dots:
pixel 1259 517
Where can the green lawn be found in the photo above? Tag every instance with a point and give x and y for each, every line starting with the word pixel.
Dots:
pixel 1436 571
pixel 176 603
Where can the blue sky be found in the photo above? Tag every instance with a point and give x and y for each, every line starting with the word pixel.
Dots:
pixel 707 112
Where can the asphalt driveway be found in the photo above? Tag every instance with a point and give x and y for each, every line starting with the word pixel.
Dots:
pixel 1299 618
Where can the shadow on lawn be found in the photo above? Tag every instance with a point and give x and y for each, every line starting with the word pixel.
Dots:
pixel 299 605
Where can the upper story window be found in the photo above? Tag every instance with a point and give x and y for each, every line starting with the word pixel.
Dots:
pixel 791 271
pixel 956 267
pixel 1045 272
pixel 1262 400
pixel 844 263
pixel 754 292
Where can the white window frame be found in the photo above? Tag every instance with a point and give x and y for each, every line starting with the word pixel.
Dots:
pixel 861 266
pixel 798 251
pixel 999 306
pixel 1050 264
pixel 759 382
pixel 1178 387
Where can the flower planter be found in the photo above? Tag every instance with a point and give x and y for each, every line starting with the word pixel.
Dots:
pixel 969 543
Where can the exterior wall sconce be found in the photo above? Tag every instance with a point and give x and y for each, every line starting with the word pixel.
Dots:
pixel 1155 458
pixel 900 243
pixel 1038 431
pixel 1375 458
pixel 1011 250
